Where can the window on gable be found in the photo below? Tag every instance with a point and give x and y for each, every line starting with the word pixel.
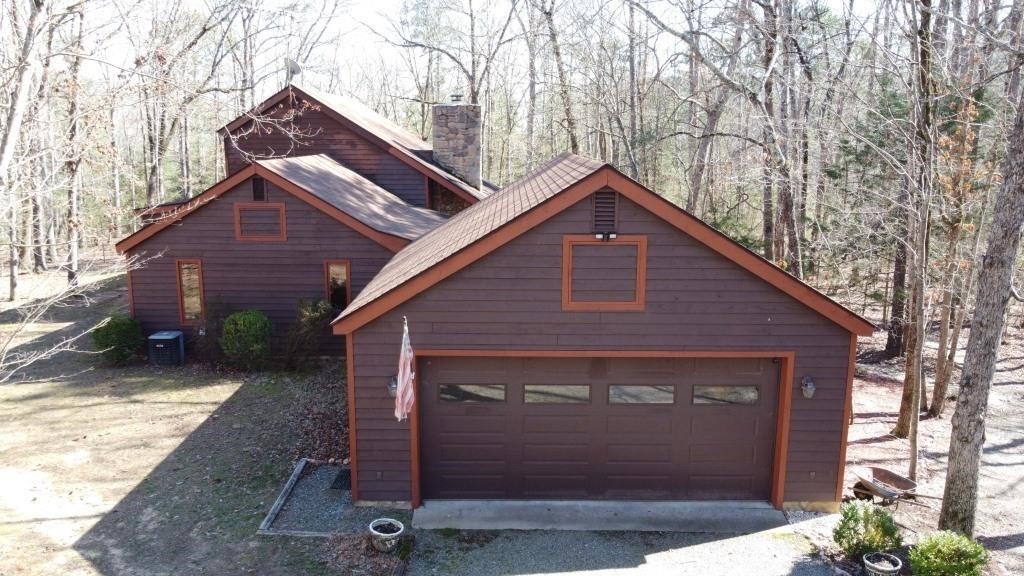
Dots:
pixel 190 291
pixel 259 189
pixel 336 283
pixel 260 222
pixel 604 275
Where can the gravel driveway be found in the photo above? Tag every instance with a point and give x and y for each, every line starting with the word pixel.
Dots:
pixel 775 552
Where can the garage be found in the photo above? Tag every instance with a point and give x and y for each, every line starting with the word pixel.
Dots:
pixel 616 428
pixel 577 337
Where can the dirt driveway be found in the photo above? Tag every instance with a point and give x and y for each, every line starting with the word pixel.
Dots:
pixel 152 472
pixel 1000 522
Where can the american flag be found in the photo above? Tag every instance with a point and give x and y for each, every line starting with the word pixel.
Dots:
pixel 406 395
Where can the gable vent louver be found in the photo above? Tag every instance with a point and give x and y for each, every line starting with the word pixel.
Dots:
pixel 605 205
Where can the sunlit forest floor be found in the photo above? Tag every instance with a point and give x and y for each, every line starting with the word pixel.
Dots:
pixel 878 386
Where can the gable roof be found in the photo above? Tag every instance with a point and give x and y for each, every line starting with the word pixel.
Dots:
pixel 354 195
pixel 397 141
pixel 326 185
pixel 559 184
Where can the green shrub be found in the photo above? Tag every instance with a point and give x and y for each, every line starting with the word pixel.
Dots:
pixel 246 338
pixel 863 528
pixel 119 339
pixel 948 554
pixel 312 321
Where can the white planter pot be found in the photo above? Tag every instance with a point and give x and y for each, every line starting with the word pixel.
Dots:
pixel 383 541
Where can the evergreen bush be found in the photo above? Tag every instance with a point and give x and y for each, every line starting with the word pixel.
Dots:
pixel 948 554
pixel 245 339
pixel 864 528
pixel 119 339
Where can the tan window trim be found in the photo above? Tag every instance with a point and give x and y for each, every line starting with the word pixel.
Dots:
pixel 181 296
pixel 327 280
pixel 282 235
pixel 571 240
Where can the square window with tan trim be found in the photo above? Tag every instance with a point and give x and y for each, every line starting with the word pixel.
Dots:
pixel 604 274
pixel 260 222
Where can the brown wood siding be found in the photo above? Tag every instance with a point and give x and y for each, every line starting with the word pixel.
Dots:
pixel 604 273
pixel 268 276
pixel 320 134
pixel 401 180
pixel 695 300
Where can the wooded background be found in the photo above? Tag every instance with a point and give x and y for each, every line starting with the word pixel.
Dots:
pixel 856 146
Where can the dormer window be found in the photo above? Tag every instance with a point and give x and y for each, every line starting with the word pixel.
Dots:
pixel 259 189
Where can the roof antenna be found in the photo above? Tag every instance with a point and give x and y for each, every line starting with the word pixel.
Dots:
pixel 291 70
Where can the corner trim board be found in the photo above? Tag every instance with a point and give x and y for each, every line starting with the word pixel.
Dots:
pixel 847 416
pixel 353 445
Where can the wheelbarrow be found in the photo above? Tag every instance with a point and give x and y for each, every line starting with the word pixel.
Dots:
pixel 887 485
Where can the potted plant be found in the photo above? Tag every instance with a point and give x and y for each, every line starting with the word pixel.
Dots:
pixel 882 564
pixel 385 533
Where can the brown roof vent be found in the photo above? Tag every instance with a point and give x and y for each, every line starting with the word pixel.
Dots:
pixel 605 207
pixel 456 139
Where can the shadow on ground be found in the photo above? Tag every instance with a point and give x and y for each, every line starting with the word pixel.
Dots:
pixel 771 553
pixel 198 510
pixel 62 321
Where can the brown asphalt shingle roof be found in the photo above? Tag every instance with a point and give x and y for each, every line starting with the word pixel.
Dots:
pixel 474 223
pixel 354 195
pixel 415 148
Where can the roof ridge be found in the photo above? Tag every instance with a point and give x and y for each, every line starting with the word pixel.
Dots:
pixel 476 222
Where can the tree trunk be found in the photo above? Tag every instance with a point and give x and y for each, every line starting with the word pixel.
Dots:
pixel 12 262
pixel 185 159
pixel 531 91
pixel 701 156
pixel 944 373
pixel 898 306
pixel 768 232
pixel 115 175
pixel 38 236
pixel 960 499
pixel 74 162
pixel 20 88
pixel 922 164
pixel 563 77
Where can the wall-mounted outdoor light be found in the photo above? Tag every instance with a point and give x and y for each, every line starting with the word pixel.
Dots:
pixel 807 387
pixel 393 386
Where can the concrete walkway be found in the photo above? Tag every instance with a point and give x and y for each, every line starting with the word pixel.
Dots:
pixel 777 552
pixel 723 517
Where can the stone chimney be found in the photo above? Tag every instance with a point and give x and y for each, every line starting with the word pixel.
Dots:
pixel 456 139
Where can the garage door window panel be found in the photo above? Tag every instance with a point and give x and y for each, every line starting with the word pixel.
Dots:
pixel 726 395
pixel 604 274
pixel 632 394
pixel 484 393
pixel 555 394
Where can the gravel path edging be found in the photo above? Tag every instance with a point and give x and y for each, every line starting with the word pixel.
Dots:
pixel 279 503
